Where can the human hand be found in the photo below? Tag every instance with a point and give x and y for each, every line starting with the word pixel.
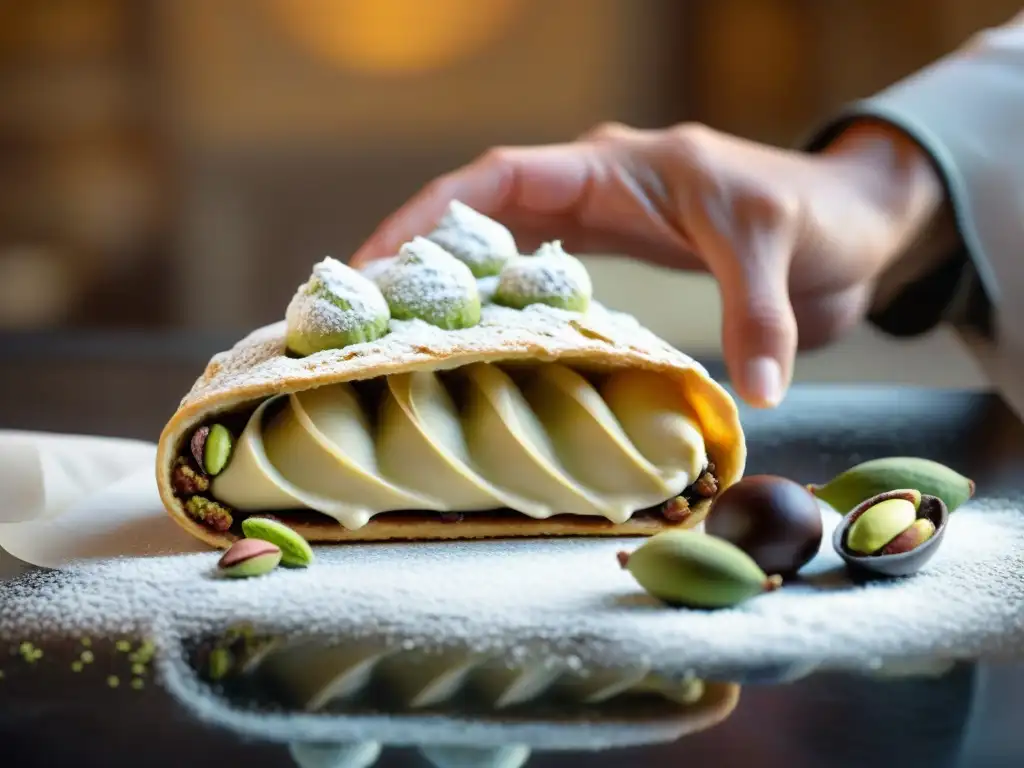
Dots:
pixel 794 240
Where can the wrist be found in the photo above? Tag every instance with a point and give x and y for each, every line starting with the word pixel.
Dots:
pixel 897 177
pixel 893 174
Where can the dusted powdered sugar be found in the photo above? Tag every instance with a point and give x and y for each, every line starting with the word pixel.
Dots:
pixel 549 273
pixel 354 301
pixel 480 242
pixel 561 600
pixel 486 286
pixel 425 279
pixel 257 360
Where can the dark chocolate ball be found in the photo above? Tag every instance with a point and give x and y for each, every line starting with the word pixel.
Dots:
pixel 774 520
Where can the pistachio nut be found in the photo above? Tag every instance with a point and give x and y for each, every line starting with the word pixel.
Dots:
pixel 211 447
pixel 249 557
pixel 295 550
pixel 694 569
pixel 917 534
pixel 882 522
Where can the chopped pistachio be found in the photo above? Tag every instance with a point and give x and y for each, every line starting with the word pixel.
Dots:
pixel 123 646
pixel 220 663
pixel 209 513
pixel 138 683
pixel 86 642
pixel 77 666
pixel 113 681
pixel 87 657
pixel 138 669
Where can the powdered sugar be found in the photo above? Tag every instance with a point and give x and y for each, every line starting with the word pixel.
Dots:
pixel 549 276
pixel 565 602
pixel 257 361
pixel 354 301
pixel 481 243
pixel 558 598
pixel 426 281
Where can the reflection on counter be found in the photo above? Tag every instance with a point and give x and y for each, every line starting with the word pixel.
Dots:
pixel 350 676
pixel 905 706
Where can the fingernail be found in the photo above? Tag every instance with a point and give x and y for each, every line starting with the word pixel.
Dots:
pixel 764 381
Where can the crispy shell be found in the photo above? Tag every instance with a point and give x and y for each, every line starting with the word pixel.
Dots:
pixel 600 339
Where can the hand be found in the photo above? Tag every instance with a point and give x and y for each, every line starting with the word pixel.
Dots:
pixel 794 240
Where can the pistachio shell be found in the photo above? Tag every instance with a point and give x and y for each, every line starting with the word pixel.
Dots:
pixel 886 564
pixel 690 568
pixel 870 478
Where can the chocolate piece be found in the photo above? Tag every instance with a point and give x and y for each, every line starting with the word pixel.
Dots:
pixel 774 520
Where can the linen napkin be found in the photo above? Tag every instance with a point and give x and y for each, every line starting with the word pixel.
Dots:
pixel 124 567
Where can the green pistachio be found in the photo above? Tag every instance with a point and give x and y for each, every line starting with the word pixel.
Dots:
pixel 295 550
pixel 880 524
pixel 249 557
pixel 689 568
pixel 211 448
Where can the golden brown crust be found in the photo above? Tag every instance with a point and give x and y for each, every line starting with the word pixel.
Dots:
pixel 258 367
pixel 414 526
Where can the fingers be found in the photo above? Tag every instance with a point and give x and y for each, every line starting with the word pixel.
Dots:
pixel 759 336
pixel 547 184
pixel 759 329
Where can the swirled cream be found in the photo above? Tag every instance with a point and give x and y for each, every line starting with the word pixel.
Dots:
pixel 543 441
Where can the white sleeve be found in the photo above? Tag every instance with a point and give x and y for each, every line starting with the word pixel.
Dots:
pixel 967 112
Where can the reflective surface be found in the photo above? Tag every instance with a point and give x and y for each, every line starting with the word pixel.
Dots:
pixel 922 714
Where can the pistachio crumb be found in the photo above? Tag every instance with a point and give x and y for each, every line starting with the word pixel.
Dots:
pixel 209 513
pixel 123 646
pixel 138 683
pixel 113 681
pixel 138 669
pixel 87 657
pixel 25 648
pixel 77 666
pixel 86 642
pixel 220 663
pixel 37 654
pixel 188 481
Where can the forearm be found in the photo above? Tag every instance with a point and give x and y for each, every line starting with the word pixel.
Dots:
pixel 966 114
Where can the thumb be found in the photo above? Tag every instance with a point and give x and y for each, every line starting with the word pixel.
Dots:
pixel 759 331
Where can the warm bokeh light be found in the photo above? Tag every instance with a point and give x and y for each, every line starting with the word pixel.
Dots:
pixel 394 37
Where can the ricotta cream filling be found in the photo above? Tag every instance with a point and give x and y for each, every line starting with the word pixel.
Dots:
pixel 545 440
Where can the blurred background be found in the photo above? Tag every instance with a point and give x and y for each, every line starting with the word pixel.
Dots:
pixel 172 168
